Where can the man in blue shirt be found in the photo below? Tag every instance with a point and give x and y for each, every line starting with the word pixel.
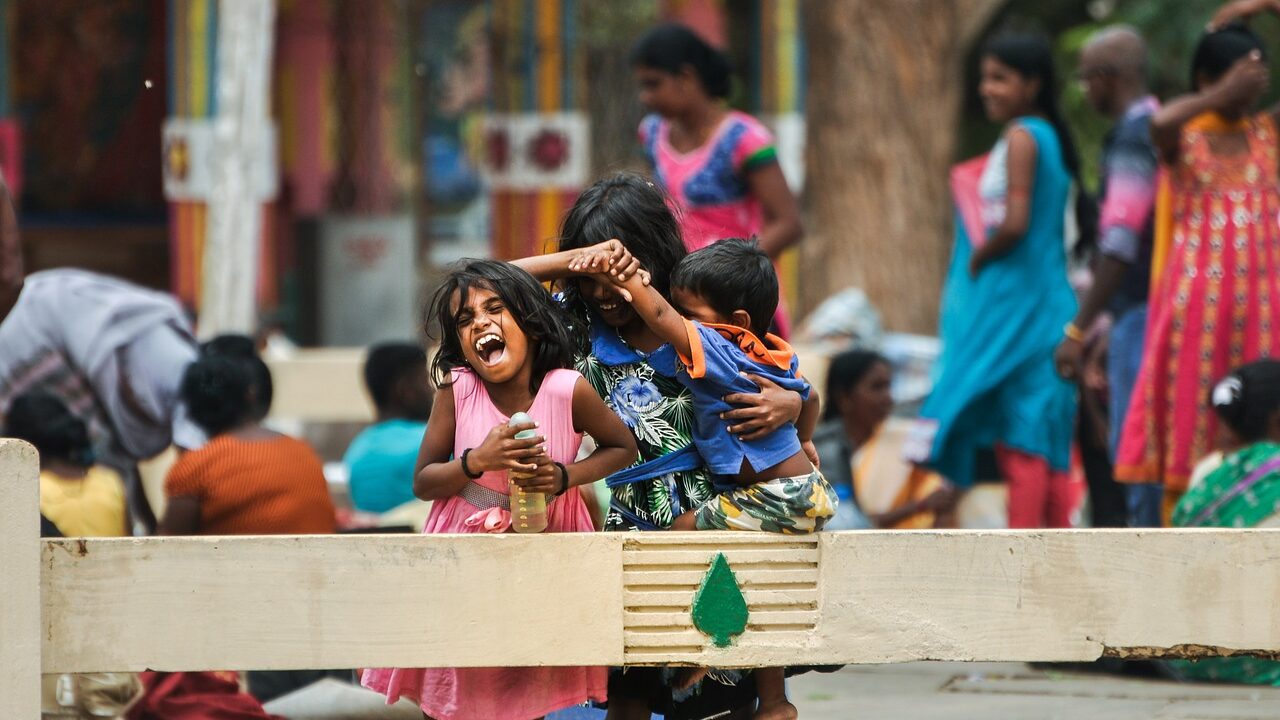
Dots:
pixel 381 459
pixel 1113 73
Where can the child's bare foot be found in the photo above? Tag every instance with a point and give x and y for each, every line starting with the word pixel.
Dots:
pixel 783 710
pixel 688 677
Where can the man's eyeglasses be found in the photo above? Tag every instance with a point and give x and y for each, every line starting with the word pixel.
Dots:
pixel 1085 75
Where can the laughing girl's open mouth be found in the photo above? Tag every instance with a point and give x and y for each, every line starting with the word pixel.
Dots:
pixel 491 348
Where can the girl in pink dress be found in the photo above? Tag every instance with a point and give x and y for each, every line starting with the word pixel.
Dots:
pixel 1216 299
pixel 718 166
pixel 505 349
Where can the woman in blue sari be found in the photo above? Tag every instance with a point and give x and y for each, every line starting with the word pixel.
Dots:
pixel 1007 298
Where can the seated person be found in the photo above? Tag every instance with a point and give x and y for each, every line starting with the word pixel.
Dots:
pixel 80 498
pixel 860 446
pixel 77 499
pixel 1242 492
pixel 247 480
pixel 381 459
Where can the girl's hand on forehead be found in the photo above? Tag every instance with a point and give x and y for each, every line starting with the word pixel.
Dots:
pixel 610 258
pixel 1247 78
pixel 501 451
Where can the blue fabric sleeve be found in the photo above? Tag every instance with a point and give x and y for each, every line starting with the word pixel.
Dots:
pixel 723 362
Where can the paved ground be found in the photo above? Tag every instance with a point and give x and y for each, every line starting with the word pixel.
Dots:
pixel 1013 691
pixel 920 691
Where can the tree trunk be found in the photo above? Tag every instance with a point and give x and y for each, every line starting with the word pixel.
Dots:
pixel 885 86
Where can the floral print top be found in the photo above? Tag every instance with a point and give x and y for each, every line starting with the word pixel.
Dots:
pixel 657 409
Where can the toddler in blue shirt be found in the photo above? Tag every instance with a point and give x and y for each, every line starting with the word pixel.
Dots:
pixel 729 291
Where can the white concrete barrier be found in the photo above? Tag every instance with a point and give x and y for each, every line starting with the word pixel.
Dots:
pixel 230 603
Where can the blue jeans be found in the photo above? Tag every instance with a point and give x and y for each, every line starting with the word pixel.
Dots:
pixel 1123 362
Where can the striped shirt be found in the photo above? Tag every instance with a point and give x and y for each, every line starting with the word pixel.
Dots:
pixel 255 487
pixel 1128 199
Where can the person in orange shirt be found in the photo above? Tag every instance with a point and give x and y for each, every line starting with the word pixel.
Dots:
pixel 860 444
pixel 247 480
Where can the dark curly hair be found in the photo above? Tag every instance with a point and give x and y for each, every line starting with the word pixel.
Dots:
pixel 1219 49
pixel 534 310
pixel 218 391
pixel 843 374
pixel 633 210
pixel 671 47
pixel 243 348
pixel 45 421
pixel 386 363
pixel 732 274
pixel 1248 399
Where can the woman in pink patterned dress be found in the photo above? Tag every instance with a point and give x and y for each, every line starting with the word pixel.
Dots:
pixel 1217 255
pixel 719 166
pixel 505 349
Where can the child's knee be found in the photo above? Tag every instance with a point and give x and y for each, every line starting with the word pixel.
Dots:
pixel 686 521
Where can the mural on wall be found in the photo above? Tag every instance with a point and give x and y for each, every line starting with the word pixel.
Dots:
pixel 453 56
pixel 88 85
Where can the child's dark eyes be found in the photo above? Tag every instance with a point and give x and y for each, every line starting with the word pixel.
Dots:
pixel 462 319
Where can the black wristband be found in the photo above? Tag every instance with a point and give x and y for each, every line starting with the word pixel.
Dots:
pixel 465 470
pixel 564 471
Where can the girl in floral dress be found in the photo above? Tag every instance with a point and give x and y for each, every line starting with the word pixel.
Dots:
pixel 613 348
pixel 1217 251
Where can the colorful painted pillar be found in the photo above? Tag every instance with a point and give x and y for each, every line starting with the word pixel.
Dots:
pixel 191 156
pixel 10 137
pixel 304 103
pixel 193 39
pixel 537 134
pixel 776 95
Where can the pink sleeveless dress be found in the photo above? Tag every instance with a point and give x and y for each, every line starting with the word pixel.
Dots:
pixel 501 693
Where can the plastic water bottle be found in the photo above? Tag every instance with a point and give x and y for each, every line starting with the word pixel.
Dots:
pixel 528 509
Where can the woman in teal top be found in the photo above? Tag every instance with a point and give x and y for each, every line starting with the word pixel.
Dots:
pixel 1007 298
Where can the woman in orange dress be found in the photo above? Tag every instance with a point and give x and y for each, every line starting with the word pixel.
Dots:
pixel 1216 291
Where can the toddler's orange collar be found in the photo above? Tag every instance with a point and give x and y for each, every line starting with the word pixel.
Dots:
pixel 773 350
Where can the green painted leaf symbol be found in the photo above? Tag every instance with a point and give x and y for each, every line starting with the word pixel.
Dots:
pixel 719 609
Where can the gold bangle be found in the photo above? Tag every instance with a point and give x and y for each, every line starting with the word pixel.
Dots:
pixel 1073 332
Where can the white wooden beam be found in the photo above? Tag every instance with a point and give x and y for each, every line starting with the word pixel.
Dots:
pixel 413 601
pixel 238 603
pixel 20 567
pixel 870 597
pixel 321 385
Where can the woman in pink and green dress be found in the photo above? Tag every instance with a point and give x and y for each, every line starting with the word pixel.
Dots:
pixel 718 166
pixel 1241 492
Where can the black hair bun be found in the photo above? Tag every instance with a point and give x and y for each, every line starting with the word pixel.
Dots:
pixel 1248 399
pixel 1227 398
